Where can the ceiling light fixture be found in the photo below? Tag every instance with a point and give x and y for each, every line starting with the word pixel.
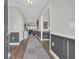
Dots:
pixel 30 2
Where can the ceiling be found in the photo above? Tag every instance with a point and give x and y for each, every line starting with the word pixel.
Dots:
pixel 32 12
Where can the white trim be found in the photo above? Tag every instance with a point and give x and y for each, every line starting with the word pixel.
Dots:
pixel 67 49
pixel 12 31
pixel 55 56
pixel 9 55
pixel 50 41
pixel 44 39
pixel 13 43
pixel 72 36
pixel 41 27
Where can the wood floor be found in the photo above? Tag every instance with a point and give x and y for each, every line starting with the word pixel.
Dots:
pixel 17 52
pixel 45 44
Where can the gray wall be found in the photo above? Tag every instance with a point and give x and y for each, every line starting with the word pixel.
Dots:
pixel 62 16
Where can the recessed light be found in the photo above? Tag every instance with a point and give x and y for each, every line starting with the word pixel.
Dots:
pixel 30 2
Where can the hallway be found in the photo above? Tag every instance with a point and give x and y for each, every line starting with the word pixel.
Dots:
pixel 34 50
pixel 31 48
pixel 50 21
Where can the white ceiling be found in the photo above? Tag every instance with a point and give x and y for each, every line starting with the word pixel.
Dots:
pixel 32 12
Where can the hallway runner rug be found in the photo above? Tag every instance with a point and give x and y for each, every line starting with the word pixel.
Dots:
pixel 34 50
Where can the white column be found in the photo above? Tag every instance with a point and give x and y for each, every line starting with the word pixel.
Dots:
pixel 41 28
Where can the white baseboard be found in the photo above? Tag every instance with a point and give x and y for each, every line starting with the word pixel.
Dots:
pixel 55 56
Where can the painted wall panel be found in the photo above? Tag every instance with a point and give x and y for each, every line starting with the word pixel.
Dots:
pixel 63 47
